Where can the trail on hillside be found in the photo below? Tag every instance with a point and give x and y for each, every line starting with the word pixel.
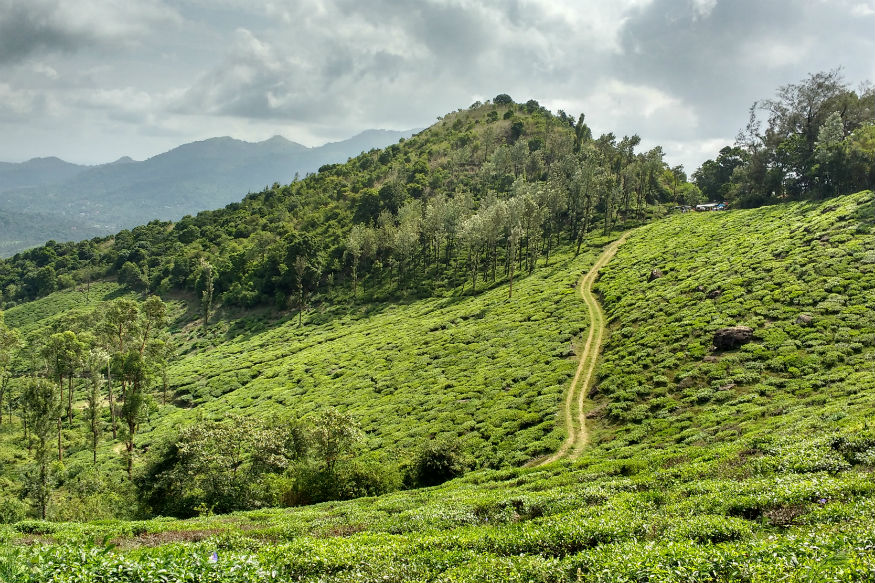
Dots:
pixel 572 407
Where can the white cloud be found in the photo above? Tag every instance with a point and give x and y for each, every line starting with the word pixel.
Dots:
pixel 703 8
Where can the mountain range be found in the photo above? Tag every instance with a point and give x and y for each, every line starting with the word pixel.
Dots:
pixel 48 198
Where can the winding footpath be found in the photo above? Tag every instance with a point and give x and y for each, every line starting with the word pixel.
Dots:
pixel 573 407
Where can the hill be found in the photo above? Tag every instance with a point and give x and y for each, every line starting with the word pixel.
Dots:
pixel 102 199
pixel 749 462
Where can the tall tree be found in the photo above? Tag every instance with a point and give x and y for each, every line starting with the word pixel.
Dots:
pixel 133 370
pixel 96 362
pixel 9 346
pixel 41 406
pixel 301 266
pixel 206 282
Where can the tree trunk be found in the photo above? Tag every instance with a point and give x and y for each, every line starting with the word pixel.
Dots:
pixel 111 402
pixel 60 451
pixel 70 400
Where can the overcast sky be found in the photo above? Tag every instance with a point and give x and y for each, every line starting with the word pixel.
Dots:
pixel 92 80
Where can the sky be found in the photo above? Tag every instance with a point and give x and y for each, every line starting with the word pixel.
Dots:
pixel 90 81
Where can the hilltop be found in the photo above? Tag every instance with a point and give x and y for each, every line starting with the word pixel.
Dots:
pixel 53 199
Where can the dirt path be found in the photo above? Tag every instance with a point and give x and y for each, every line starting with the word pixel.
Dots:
pixel 572 408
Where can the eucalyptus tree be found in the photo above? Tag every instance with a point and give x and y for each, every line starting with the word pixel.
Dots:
pixel 132 369
pixel 407 237
pixel 63 354
pixel 10 343
pixel 96 361
pixel 205 284
pixel 42 407
pixel 301 265
pixel 153 318
pixel 355 247
pixel 118 330
pixel 472 235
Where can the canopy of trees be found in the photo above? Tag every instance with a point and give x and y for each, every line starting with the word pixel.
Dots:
pixel 815 138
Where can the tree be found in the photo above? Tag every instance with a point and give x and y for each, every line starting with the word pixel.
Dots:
pixel 41 406
pixel 334 436
pixel 9 346
pixel 502 99
pixel 133 371
pixel 301 266
pixel 714 177
pixel 95 363
pixel 63 354
pixel 206 285
pixel 154 315
pixel 436 462
pixel 355 244
pixel 120 321
pixel 783 155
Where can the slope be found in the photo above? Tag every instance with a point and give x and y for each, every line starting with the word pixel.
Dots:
pixel 485 369
pixel 757 468
pixel 573 413
pixel 102 199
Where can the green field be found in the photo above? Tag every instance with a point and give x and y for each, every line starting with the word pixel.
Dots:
pixel 751 464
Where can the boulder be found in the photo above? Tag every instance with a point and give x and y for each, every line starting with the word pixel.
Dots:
pixel 715 293
pixel 655 274
pixel 804 319
pixel 732 337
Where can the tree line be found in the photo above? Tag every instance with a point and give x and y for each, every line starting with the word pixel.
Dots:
pixel 117 358
pixel 814 139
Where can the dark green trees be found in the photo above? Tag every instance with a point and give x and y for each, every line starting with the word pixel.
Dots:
pixel 813 139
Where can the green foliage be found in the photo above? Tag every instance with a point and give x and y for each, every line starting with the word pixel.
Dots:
pixel 814 145
pixel 436 462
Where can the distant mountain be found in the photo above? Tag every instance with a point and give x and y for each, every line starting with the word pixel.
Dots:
pixel 61 199
pixel 36 172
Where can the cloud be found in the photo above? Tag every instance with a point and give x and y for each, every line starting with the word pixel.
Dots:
pixel 35 26
pixel 397 63
pixel 678 73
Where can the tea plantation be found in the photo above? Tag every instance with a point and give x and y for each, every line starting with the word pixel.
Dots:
pixel 751 463
pixel 486 368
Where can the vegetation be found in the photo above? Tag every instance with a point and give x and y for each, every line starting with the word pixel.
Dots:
pixel 401 330
pixel 818 141
pixel 750 464
pixel 486 190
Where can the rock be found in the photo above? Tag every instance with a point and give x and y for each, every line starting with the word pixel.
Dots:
pixel 804 319
pixel 655 274
pixel 732 337
pixel 727 387
pixel 686 382
pixel 714 293
pixel 710 358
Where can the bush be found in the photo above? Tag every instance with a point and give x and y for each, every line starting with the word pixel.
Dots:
pixel 435 463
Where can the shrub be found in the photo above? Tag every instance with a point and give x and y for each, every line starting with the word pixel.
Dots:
pixel 436 462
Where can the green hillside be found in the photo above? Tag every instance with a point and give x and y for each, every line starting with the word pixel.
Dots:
pixel 487 368
pixel 748 463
